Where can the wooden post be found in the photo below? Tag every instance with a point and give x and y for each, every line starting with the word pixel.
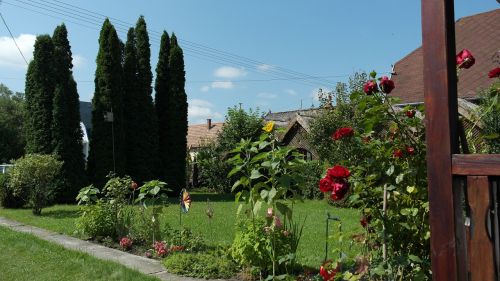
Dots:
pixel 440 92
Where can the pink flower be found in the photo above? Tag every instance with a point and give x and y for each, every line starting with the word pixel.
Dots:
pixel 327 274
pixel 126 243
pixel 270 212
pixel 286 233
pixel 495 72
pixel 386 85
pixel 370 87
pixel 277 222
pixel 160 248
pixel 134 185
pixel 465 59
pixel 410 150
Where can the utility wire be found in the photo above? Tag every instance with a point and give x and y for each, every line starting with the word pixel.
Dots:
pixel 193 49
pixel 12 36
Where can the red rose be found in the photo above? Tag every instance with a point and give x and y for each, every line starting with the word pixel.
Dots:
pixel 338 172
pixel 410 113
pixel 386 85
pixel 495 72
pixel 325 184
pixel 340 189
pixel 465 59
pixel 134 185
pixel 370 87
pixel 397 153
pixel 410 150
pixel 327 274
pixel 343 132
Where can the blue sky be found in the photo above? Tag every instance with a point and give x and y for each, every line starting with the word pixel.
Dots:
pixel 274 47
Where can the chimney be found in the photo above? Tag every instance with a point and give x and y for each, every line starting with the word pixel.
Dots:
pixel 209 123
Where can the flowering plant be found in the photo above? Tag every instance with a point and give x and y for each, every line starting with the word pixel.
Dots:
pixel 126 243
pixel 160 248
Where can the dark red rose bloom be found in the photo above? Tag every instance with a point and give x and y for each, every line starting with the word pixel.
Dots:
pixel 338 171
pixel 343 132
pixel 495 72
pixel 340 189
pixel 365 220
pixel 410 113
pixel 465 59
pixel 370 87
pixel 386 85
pixel 326 184
pixel 397 153
pixel 410 150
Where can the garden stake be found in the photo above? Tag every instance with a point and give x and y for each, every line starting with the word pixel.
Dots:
pixel 329 218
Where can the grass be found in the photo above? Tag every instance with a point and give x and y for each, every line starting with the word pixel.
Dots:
pixel 220 229
pixel 25 257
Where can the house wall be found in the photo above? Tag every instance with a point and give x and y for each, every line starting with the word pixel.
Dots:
pixel 297 137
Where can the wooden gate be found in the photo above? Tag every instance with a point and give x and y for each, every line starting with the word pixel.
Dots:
pixel 463 188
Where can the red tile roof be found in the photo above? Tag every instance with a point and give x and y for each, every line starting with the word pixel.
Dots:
pixel 478 33
pixel 197 134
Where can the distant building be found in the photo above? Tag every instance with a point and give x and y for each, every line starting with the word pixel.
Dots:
pixel 297 126
pixel 200 134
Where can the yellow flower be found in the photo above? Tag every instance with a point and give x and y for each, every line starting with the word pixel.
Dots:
pixel 269 126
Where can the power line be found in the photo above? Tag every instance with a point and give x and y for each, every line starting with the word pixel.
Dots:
pixel 12 36
pixel 193 49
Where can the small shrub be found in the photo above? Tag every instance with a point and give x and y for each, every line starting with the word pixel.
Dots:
pixel 210 265
pixel 118 189
pixel 311 172
pixel 98 220
pixel 7 197
pixel 185 238
pixel 213 169
pixel 143 229
pixel 33 175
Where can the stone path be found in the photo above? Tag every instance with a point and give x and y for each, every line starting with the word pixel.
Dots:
pixel 142 264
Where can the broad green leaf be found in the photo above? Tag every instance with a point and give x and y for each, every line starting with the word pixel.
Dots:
pixel 400 178
pixel 390 171
pixel 411 189
pixel 255 174
pixel 234 171
pixel 263 194
pixel 256 207
pixel 271 194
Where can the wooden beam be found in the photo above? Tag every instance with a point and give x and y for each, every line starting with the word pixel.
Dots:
pixel 440 92
pixel 476 164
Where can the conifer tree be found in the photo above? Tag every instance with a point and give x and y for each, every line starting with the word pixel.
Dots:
pixel 162 101
pixel 107 137
pixel 177 117
pixel 40 82
pixel 66 131
pixel 141 123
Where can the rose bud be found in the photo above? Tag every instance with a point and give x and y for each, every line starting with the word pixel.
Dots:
pixel 465 59
pixel 410 150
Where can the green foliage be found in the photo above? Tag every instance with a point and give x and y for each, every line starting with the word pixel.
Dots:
pixel 185 237
pixel 490 116
pixel 175 141
pixel 33 175
pixel 108 97
pixel 117 189
pixel 12 135
pixel 311 172
pixel 88 195
pixel 7 198
pixel 239 124
pixel 66 130
pixel 210 265
pixel 40 83
pixel 139 113
pixel 98 220
pixel 213 168
pixel 163 98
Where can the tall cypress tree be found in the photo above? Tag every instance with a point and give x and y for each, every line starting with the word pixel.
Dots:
pixel 141 130
pixel 162 101
pixel 66 131
pixel 40 82
pixel 177 116
pixel 107 137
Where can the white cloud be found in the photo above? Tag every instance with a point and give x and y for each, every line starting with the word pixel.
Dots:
pixel 222 85
pixel 229 72
pixel 9 55
pixel 201 109
pixel 79 61
pixel 265 67
pixel 205 88
pixel 291 92
pixel 267 95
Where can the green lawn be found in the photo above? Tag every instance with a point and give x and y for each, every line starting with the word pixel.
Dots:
pixel 25 257
pixel 221 229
